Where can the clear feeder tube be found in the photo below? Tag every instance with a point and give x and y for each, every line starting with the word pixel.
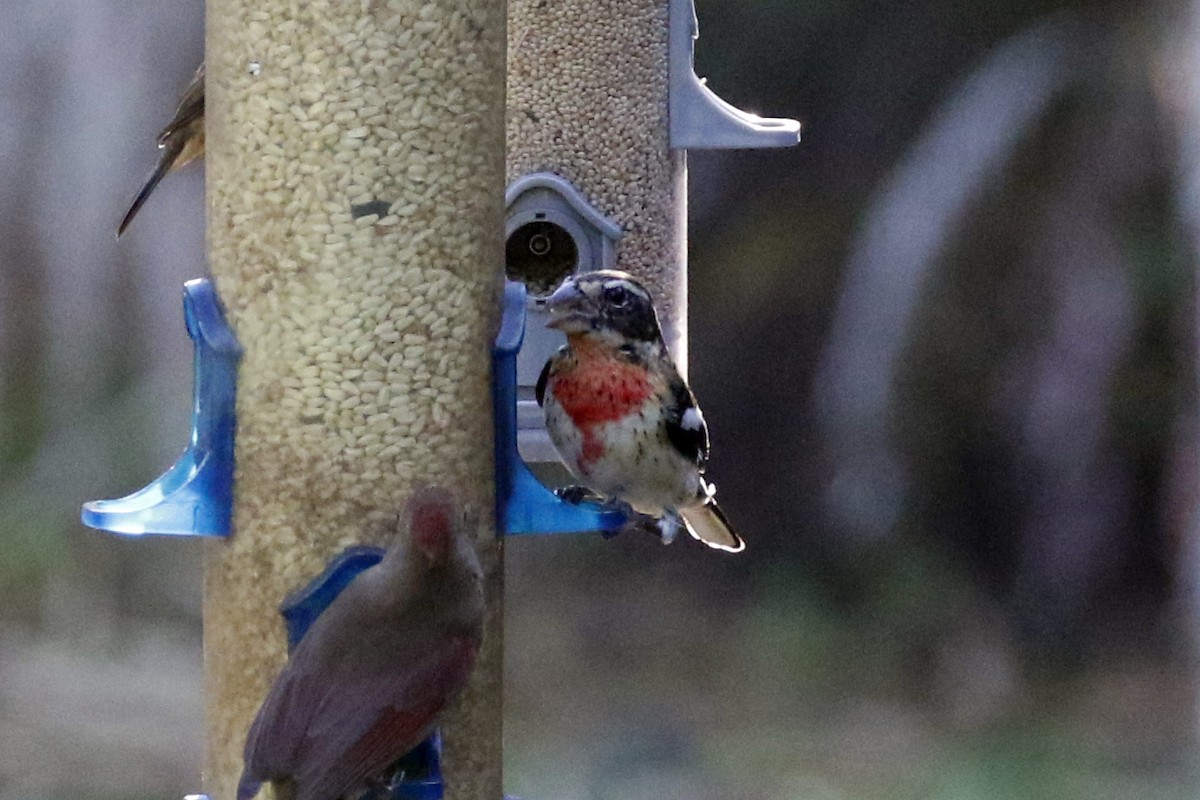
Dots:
pixel 588 100
pixel 355 215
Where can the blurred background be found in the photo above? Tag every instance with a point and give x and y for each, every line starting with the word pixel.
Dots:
pixel 945 346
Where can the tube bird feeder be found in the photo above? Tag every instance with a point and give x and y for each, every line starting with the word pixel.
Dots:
pixel 356 225
pixel 355 181
pixel 603 104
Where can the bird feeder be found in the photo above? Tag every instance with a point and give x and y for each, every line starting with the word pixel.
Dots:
pixel 355 207
pixel 355 194
pixel 603 103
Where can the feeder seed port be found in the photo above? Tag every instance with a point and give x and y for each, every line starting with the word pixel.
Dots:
pixel 540 254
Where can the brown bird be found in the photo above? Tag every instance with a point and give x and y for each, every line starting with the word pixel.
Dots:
pixel 373 674
pixel 181 142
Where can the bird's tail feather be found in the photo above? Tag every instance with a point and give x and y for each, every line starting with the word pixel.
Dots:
pixel 253 789
pixel 248 787
pixel 165 161
pixel 708 524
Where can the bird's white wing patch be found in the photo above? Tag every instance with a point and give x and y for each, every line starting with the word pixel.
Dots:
pixel 692 420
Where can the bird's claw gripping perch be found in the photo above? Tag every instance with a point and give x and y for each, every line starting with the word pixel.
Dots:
pixel 664 528
pixel 667 527
pixel 579 494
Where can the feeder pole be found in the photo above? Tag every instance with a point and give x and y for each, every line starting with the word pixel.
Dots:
pixel 355 164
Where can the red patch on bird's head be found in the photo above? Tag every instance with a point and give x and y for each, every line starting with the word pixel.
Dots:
pixel 431 514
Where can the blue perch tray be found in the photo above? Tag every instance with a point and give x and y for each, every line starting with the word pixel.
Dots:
pixel 523 504
pixel 195 496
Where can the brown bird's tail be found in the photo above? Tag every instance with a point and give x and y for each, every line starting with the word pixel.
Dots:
pixel 171 151
pixel 708 524
pixel 181 141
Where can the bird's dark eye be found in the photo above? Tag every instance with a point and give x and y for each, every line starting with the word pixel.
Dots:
pixel 616 296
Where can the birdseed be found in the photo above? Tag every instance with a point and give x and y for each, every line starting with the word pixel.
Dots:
pixel 351 389
pixel 587 100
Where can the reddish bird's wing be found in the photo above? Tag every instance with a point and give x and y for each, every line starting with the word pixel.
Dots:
pixel 366 722
pixel 278 731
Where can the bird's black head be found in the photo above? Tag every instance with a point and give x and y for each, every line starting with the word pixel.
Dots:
pixel 606 303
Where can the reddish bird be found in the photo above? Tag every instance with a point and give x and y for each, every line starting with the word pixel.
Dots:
pixel 620 415
pixel 369 679
pixel 181 142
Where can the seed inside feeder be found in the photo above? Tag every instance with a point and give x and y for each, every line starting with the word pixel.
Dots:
pixel 587 101
pixel 343 275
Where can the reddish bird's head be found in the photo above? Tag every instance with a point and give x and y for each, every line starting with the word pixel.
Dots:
pixel 432 521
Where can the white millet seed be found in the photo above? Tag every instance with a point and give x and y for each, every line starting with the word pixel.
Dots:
pixel 587 99
pixel 355 175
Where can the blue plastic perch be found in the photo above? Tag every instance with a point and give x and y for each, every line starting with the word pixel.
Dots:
pixel 523 504
pixel 195 496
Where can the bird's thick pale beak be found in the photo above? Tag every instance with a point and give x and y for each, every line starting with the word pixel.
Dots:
pixel 568 307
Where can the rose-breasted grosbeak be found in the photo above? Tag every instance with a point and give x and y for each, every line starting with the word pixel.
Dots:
pixel 621 417
pixel 181 142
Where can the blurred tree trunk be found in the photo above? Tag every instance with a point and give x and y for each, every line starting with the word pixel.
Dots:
pixel 962 150
pixel 1181 89
pixel 1079 490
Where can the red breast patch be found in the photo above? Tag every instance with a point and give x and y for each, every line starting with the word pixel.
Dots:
pixel 598 388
